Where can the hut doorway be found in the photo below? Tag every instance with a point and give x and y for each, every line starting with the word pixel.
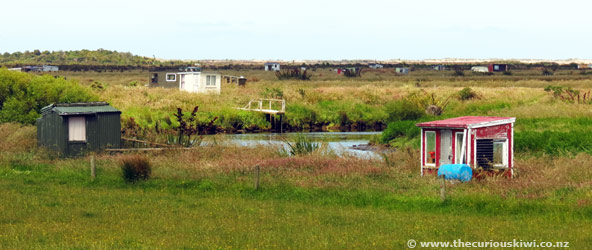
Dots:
pixel 445 147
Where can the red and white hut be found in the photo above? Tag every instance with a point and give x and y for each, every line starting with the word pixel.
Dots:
pixel 478 141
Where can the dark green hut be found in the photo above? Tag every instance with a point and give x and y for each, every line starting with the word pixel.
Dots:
pixel 73 129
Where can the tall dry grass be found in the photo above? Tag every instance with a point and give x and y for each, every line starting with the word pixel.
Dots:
pixel 16 137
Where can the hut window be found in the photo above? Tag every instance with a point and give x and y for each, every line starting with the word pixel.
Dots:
pixel 492 153
pixel 498 153
pixel 154 78
pixel 210 80
pixel 171 77
pixel 77 128
pixel 430 148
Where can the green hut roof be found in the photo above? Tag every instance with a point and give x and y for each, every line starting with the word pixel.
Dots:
pixel 79 108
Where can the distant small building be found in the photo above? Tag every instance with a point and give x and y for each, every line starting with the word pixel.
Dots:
pixel 44 68
pixel 190 80
pixel 495 67
pixel 375 66
pixel 402 71
pixel 15 69
pixel 49 68
pixel 272 66
pixel 584 66
pixel 74 129
pixel 439 67
pixel 480 69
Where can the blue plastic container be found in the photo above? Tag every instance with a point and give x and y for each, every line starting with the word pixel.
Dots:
pixel 461 172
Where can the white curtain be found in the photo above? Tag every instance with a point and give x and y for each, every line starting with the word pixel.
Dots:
pixel 77 128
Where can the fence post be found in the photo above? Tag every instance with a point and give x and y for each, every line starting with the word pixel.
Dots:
pixel 93 168
pixel 442 188
pixel 257 170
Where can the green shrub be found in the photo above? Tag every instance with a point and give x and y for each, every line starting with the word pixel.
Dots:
pixel 135 168
pixel 400 129
pixel 466 94
pixel 402 110
pixel 22 95
pixel 276 93
pixel 301 145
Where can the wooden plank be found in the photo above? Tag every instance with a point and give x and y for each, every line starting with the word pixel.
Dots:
pixel 143 149
pixel 147 142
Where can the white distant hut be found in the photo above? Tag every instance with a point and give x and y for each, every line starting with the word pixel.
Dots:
pixel 402 71
pixel 272 66
pixel 190 80
pixel 200 82
pixel 480 69
pixel 375 66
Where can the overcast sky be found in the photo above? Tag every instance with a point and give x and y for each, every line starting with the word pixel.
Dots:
pixel 305 29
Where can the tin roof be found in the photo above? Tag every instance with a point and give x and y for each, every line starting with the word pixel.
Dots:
pixel 468 122
pixel 79 108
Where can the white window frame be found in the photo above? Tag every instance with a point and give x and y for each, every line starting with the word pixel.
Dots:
pixel 210 81
pixel 77 129
pixel 504 143
pixel 458 157
pixel 426 149
pixel 166 78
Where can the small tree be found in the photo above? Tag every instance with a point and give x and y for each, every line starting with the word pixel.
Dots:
pixel 188 127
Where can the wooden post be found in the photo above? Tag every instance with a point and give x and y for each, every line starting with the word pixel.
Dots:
pixel 257 170
pixel 443 188
pixel 93 168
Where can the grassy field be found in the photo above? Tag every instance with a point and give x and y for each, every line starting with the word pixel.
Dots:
pixel 205 198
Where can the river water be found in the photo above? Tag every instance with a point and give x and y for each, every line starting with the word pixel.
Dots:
pixel 339 142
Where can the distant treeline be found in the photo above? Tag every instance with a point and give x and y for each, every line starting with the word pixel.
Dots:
pixel 84 60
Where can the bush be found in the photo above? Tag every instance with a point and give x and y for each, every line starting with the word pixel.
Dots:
pixel 302 145
pixel 466 94
pixel 135 168
pixel 399 129
pixel 508 73
pixel 292 74
pixel 23 95
pixel 402 110
pixel 275 93
pixel 352 72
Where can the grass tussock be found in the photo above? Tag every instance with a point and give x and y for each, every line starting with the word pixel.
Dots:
pixel 135 168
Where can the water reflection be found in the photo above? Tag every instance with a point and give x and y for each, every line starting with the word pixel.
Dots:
pixel 339 142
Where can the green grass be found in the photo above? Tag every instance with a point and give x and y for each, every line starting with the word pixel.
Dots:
pixel 62 208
